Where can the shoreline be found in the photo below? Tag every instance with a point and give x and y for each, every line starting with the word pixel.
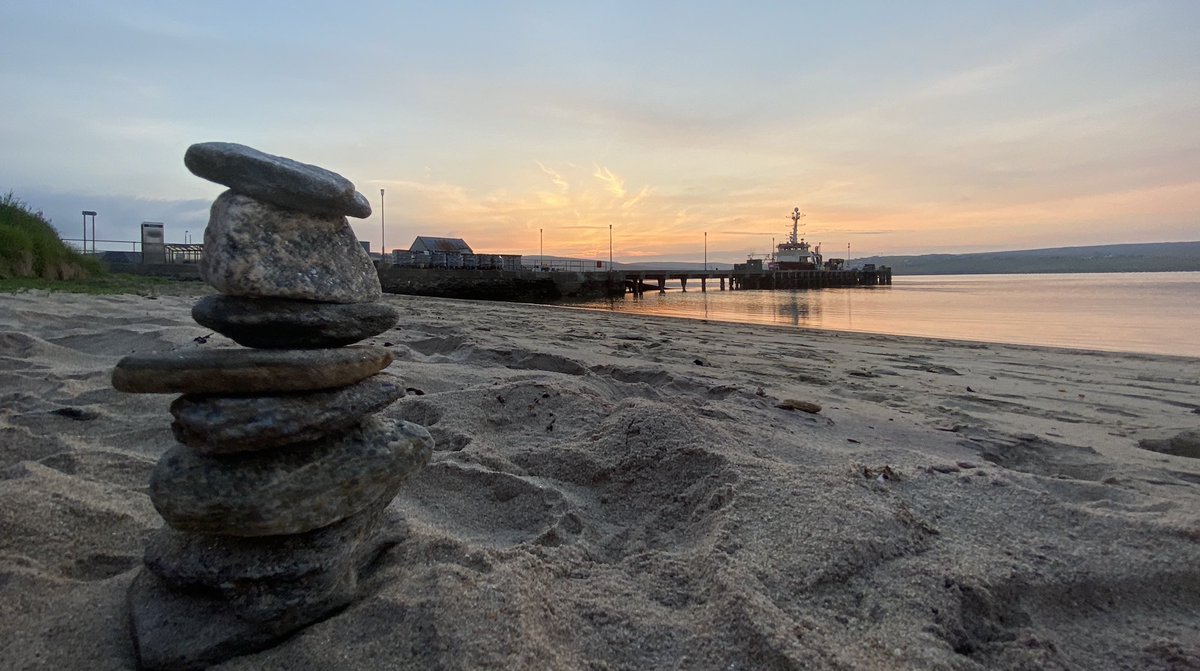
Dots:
pixel 1142 314
pixel 848 333
pixel 608 496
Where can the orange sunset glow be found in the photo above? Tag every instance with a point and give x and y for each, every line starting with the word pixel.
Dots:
pixel 896 129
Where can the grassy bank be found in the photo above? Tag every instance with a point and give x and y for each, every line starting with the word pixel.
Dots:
pixel 31 248
pixel 103 283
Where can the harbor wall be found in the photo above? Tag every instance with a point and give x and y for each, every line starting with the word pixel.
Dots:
pixel 496 285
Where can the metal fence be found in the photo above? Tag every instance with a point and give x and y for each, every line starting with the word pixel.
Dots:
pixel 130 251
pixel 568 265
pixel 454 260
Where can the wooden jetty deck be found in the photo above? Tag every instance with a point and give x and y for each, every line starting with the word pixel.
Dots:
pixel 640 281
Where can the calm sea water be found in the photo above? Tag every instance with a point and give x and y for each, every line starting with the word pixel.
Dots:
pixel 1129 312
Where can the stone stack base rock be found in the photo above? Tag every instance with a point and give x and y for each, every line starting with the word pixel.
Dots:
pixel 276 492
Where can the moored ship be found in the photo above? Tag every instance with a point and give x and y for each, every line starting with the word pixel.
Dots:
pixel 795 253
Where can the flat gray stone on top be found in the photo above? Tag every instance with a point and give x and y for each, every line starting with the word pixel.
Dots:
pixel 259 250
pixel 226 424
pixel 289 490
pixel 362 205
pixel 275 179
pixel 283 323
pixel 247 371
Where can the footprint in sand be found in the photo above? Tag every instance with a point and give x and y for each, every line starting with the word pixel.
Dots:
pixel 480 506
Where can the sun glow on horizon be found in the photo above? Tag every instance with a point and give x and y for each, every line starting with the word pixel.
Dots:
pixel 992 127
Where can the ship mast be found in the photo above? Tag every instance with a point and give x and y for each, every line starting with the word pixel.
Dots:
pixel 796 217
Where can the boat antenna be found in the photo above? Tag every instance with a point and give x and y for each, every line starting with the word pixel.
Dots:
pixel 796 217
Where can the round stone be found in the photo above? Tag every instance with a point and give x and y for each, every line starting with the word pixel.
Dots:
pixel 247 371
pixel 226 424
pixel 221 562
pixel 291 490
pixel 277 180
pixel 280 323
pixel 259 250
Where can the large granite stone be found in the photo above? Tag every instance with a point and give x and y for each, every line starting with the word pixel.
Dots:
pixel 272 577
pixel 288 490
pixel 281 323
pixel 247 371
pixel 277 180
pixel 226 424
pixel 259 250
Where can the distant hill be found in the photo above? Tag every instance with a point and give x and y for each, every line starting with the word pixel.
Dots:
pixel 672 265
pixel 1132 258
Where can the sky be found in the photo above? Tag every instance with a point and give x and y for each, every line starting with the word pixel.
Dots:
pixel 896 127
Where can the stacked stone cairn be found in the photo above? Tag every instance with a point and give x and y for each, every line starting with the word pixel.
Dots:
pixel 275 494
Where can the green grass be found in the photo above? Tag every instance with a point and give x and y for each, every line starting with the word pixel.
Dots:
pixel 31 248
pixel 108 283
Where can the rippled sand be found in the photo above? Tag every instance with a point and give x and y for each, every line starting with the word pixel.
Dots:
pixel 618 492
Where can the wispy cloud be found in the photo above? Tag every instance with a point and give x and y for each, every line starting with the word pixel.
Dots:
pixel 646 191
pixel 614 184
pixel 559 181
pixel 1027 56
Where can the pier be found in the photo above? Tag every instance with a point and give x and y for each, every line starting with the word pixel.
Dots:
pixel 533 285
pixel 638 282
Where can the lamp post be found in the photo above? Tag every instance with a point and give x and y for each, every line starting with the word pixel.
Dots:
pixel 706 251
pixel 610 248
pixel 92 214
pixel 541 248
pixel 382 220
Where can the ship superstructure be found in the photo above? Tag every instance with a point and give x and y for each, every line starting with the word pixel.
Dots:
pixel 795 253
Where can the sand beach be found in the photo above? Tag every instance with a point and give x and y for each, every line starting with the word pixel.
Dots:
pixel 620 492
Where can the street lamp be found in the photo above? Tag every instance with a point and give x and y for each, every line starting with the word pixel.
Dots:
pixel 92 214
pixel 610 248
pixel 382 214
pixel 541 252
pixel 706 251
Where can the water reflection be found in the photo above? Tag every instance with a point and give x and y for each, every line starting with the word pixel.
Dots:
pixel 798 308
pixel 1156 310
